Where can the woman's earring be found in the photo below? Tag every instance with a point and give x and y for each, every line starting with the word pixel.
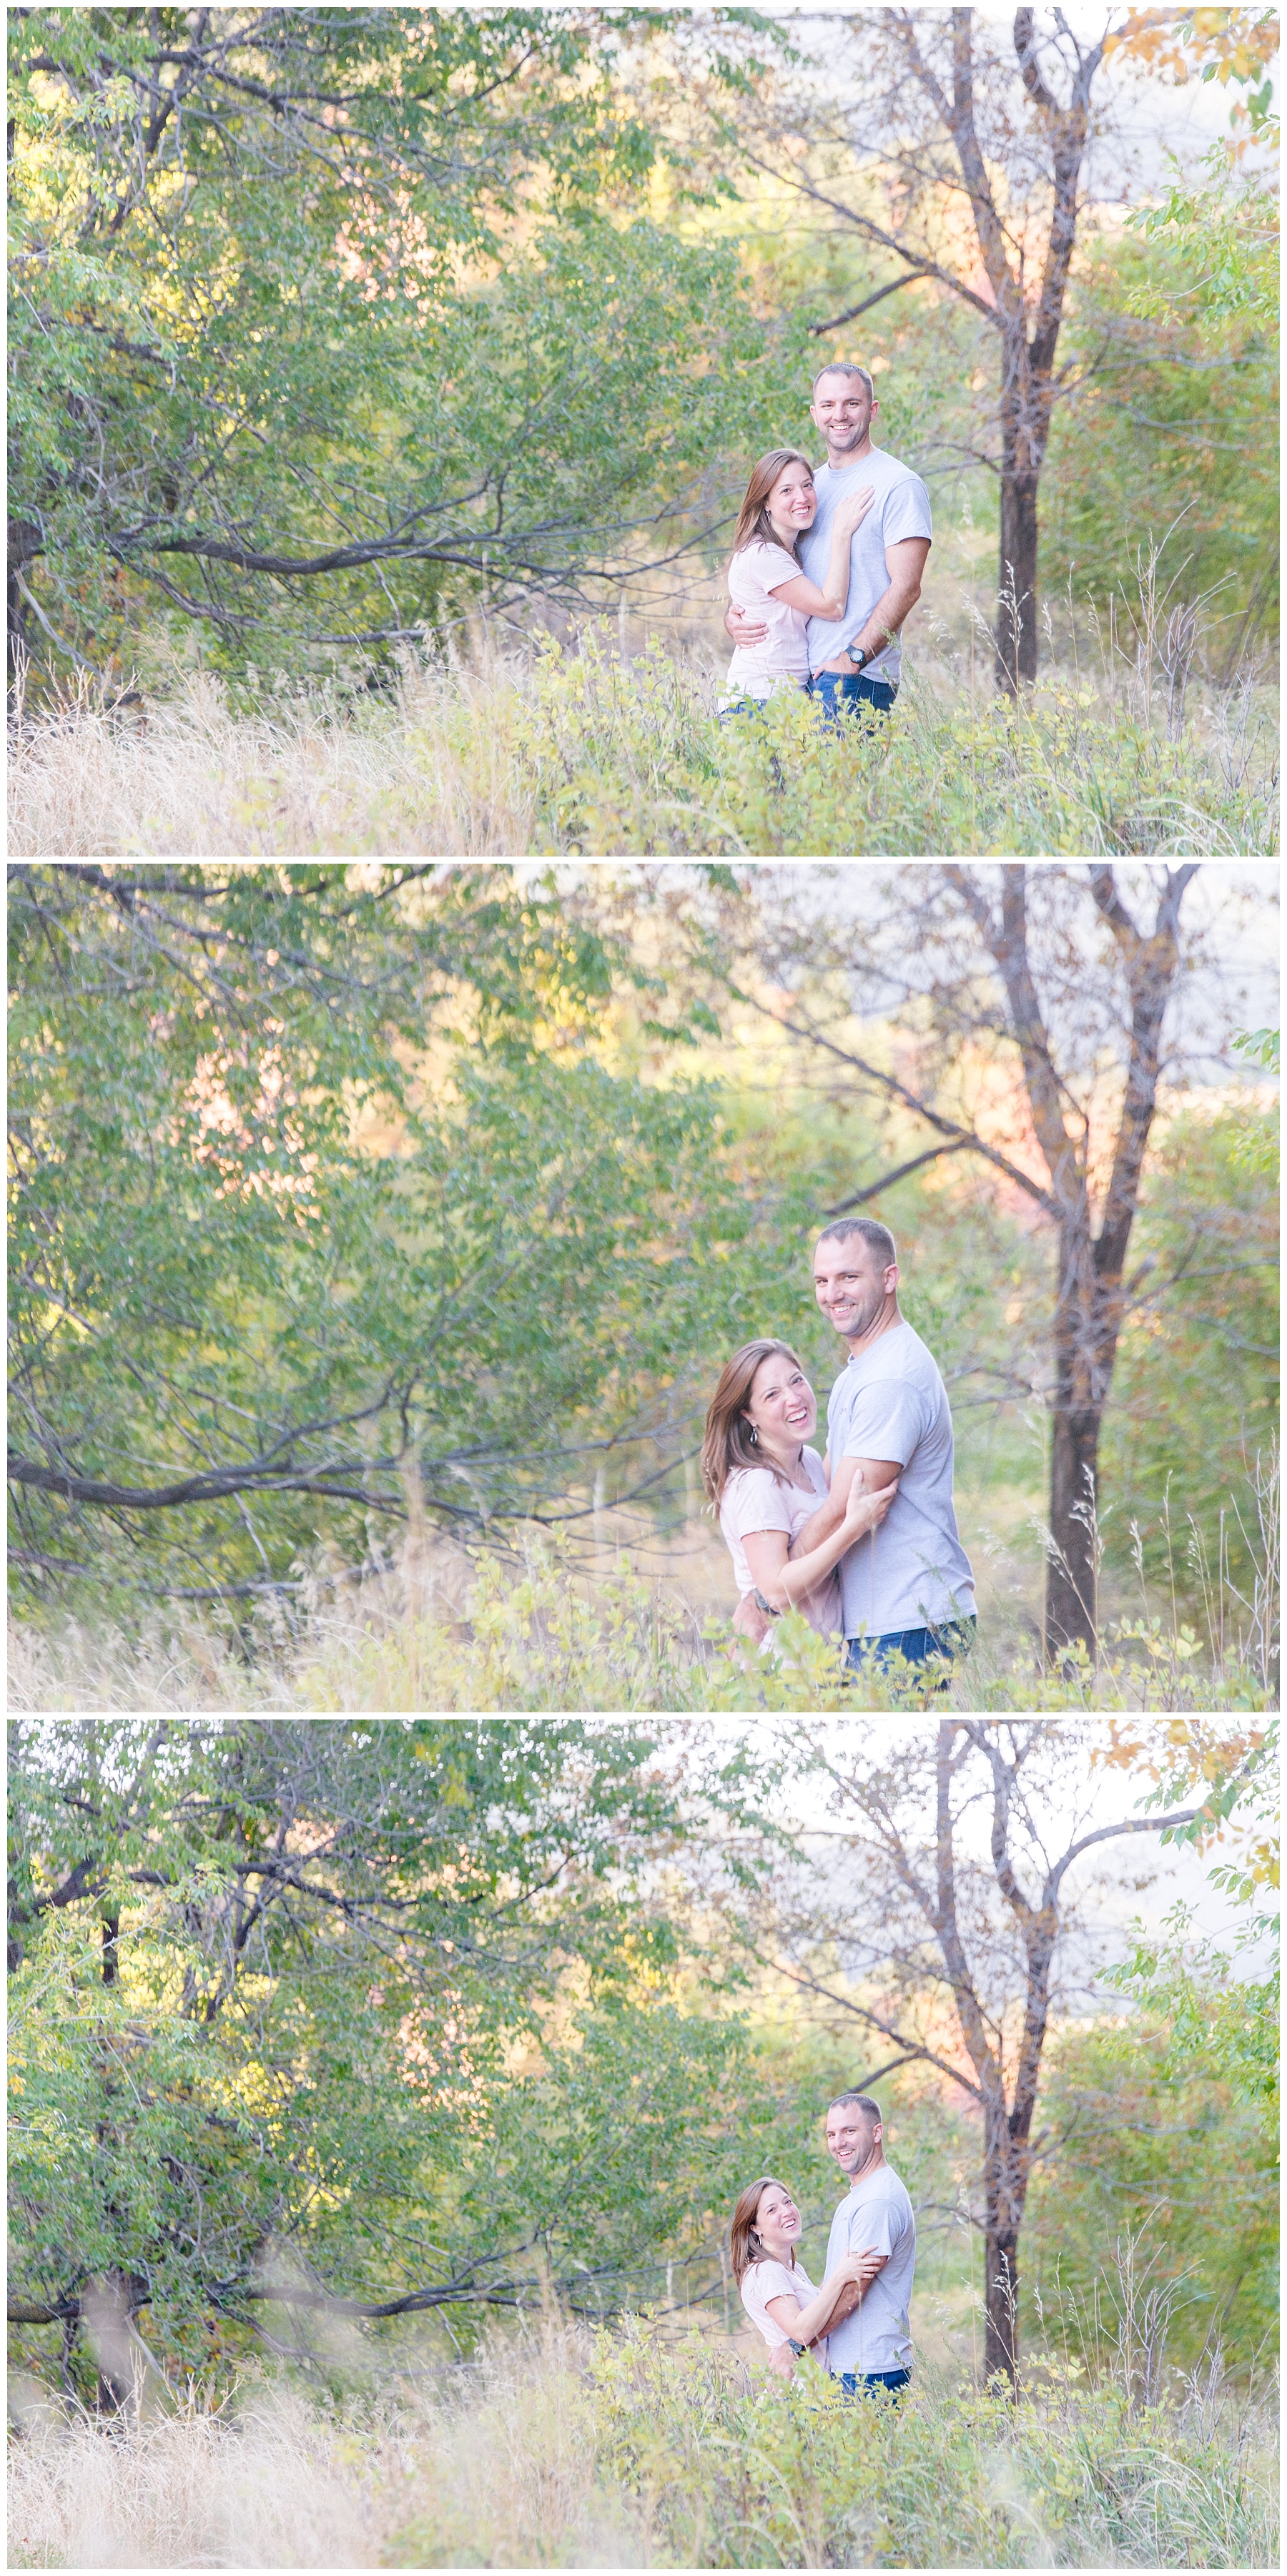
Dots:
pixel 755 1437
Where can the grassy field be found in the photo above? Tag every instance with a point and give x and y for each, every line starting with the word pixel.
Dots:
pixel 544 1630
pixel 577 2447
pixel 554 751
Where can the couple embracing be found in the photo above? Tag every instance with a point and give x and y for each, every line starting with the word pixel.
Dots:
pixel 826 566
pixel 858 2324
pixel 864 1542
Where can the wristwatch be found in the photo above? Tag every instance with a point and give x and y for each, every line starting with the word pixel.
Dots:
pixel 857 656
pixel 797 2347
pixel 765 1606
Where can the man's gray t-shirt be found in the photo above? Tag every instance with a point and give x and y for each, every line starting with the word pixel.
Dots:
pixel 911 1572
pixel 901 509
pixel 877 2213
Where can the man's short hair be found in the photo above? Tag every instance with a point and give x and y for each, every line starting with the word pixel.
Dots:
pixel 861 2102
pixel 876 1236
pixel 845 367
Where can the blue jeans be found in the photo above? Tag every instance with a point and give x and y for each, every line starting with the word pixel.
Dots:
pixel 915 1645
pixel 861 2383
pixel 741 707
pixel 851 690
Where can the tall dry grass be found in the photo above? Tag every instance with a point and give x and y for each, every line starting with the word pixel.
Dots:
pixel 535 750
pixel 539 1628
pixel 580 2448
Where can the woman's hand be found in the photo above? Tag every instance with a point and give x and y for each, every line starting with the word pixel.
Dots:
pixel 862 2268
pixel 852 512
pixel 865 1511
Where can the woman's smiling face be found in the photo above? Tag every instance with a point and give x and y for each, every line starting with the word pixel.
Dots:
pixel 793 502
pixel 781 1403
pixel 776 2217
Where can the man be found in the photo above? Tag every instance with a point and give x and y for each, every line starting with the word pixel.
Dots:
pixel 872 2346
pixel 857 662
pixel 908 1589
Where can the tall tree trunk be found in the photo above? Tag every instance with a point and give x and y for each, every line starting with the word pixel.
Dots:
pixel 1026 396
pixel 1001 2301
pixel 1071 1603
pixel 25 542
pixel 1016 630
pixel 1077 1410
pixel 1005 2189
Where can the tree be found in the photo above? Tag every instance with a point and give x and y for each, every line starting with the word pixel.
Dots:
pixel 905 1915
pixel 1051 974
pixel 1143 2102
pixel 381 2019
pixel 1175 333
pixel 1208 1223
pixel 327 319
pixel 920 116
pixel 1221 45
pixel 320 1192
pixel 1170 436
pixel 1208 2067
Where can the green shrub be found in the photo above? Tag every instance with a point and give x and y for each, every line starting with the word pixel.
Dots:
pixel 537 1636
pixel 584 752
pixel 592 2449
pixel 624 758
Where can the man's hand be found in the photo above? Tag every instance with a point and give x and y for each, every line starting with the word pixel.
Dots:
pixel 743 628
pixel 749 1620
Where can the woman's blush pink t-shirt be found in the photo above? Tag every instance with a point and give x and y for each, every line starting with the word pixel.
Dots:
pixel 755 1499
pixel 782 660
pixel 767 2280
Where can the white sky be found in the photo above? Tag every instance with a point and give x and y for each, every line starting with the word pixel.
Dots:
pixel 1232 897
pixel 1136 1877
pixel 1150 117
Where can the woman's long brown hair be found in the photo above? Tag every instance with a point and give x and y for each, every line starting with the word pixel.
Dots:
pixel 753 518
pixel 743 2235
pixel 728 1443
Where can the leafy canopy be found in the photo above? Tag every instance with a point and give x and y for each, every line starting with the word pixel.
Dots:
pixel 325 1207
pixel 325 320
pixel 380 2012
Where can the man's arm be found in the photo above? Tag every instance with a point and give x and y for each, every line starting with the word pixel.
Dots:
pixel 744 629
pixel 852 2292
pixel 875 1474
pixel 905 565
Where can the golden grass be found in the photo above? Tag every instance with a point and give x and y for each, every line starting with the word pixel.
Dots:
pixel 194 779
pixel 542 1630
pixel 522 752
pixel 576 2448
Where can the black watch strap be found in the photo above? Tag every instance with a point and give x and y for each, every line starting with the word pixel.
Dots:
pixel 797 2347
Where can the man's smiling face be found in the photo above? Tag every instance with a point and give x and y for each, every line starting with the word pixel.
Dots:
pixel 842 409
pixel 850 1284
pixel 851 2137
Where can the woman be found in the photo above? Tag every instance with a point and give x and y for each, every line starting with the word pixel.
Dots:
pixel 777 2292
pixel 765 576
pixel 765 1483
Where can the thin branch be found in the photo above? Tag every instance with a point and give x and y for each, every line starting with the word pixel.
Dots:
pixel 852 312
pixel 860 1198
